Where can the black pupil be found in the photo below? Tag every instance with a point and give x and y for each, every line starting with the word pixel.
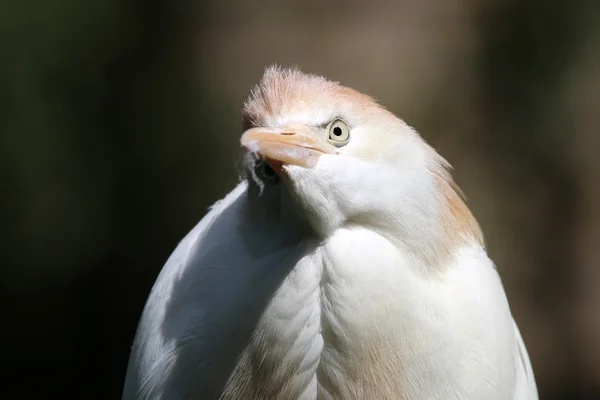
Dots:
pixel 337 131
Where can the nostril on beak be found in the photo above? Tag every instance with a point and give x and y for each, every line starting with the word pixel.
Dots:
pixel 287 133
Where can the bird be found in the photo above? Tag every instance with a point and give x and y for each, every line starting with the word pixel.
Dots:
pixel 345 264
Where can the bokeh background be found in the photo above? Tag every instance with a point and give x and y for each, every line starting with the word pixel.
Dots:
pixel 120 122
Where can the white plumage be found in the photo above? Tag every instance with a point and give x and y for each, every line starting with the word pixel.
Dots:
pixel 355 272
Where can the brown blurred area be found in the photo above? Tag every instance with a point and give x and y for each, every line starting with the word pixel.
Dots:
pixel 120 122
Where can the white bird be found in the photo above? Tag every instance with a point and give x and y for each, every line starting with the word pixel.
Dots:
pixel 344 266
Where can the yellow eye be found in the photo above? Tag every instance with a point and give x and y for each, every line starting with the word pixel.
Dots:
pixel 339 132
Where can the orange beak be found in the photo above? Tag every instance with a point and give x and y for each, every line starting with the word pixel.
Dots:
pixel 298 145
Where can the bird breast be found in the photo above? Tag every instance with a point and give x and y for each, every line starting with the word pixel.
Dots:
pixel 353 320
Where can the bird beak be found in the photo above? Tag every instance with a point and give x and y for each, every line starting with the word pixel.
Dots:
pixel 298 145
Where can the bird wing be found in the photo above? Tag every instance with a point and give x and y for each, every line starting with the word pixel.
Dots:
pixel 208 298
pixel 161 333
pixel 526 386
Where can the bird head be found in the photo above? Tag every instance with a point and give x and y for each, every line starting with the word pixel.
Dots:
pixel 346 161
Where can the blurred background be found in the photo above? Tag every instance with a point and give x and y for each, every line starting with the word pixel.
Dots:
pixel 120 122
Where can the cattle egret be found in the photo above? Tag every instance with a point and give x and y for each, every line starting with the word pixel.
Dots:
pixel 345 265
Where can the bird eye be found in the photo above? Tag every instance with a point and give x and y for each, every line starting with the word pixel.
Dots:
pixel 339 132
